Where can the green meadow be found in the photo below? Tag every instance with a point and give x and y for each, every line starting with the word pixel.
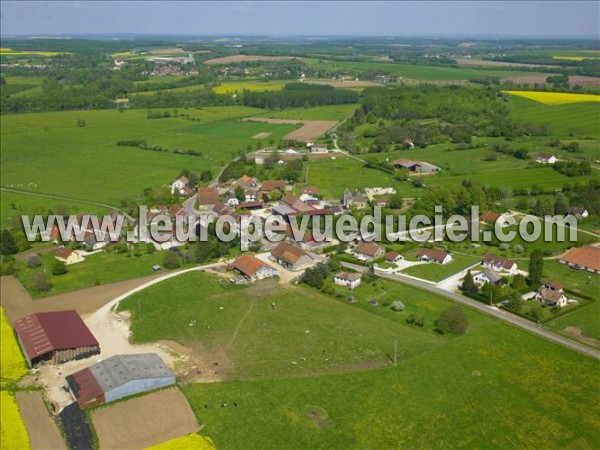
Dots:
pixel 48 153
pixel 577 120
pixel 438 272
pixel 317 372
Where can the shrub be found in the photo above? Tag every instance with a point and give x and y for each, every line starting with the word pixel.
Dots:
pixel 58 267
pixel 452 320
pixel 33 261
pixel 416 320
pixel 40 282
pixel 398 306
pixel 171 260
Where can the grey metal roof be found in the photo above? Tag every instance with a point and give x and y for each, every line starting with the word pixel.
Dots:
pixel 283 210
pixel 120 369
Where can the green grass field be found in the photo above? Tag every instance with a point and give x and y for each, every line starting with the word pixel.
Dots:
pixel 438 272
pixel 99 268
pixel 320 334
pixel 417 72
pixel 232 87
pixel 48 153
pixel 329 112
pixel 576 119
pixel 352 175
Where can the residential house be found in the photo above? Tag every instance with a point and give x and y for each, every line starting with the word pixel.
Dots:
pixel 179 185
pixel 350 280
pixel 253 268
pixel 354 200
pixel 433 255
pixel 415 166
pixel 291 257
pixel 269 186
pixel 583 258
pixel 368 251
pixel 551 294
pixel 207 197
pixel 312 191
pixel 546 158
pixel 393 257
pixel 318 149
pixel 490 216
pixel 68 256
pixel 499 263
pixel 580 212
pixel 245 182
pixel 487 276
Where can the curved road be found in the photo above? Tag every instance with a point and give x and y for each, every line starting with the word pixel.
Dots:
pixel 489 310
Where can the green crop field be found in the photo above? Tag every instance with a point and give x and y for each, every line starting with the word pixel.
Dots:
pixel 193 88
pixel 438 272
pixel 298 382
pixel 329 112
pixel 417 72
pixel 48 152
pixel 577 119
pixel 307 333
pixel 232 87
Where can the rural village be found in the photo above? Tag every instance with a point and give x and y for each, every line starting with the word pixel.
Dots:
pixel 295 341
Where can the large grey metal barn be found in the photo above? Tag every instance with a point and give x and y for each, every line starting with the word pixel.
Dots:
pixel 119 376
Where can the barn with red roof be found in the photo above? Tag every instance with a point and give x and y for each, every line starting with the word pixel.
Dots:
pixel 56 337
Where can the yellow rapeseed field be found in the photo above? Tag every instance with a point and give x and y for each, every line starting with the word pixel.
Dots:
pixel 13 434
pixel 189 442
pixel 240 86
pixel 555 98
pixel 12 363
pixel 5 51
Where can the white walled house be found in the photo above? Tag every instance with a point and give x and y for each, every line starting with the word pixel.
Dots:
pixel 350 280
pixel 179 185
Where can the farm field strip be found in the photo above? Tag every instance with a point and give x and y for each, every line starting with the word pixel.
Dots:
pixel 555 98
pixel 310 129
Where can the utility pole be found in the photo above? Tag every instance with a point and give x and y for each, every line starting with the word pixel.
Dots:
pixel 396 352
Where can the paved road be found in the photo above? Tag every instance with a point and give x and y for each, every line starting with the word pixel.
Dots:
pixel 492 311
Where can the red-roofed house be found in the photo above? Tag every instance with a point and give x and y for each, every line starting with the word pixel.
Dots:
pixel 583 258
pixel 368 251
pixel 432 255
pixel 57 337
pixel 68 256
pixel 253 268
pixel 207 197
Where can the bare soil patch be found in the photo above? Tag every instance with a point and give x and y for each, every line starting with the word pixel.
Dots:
pixel 578 335
pixel 529 79
pixel 344 83
pixel 42 430
pixel 243 58
pixel 17 302
pixel 320 417
pixel 584 81
pixel 144 421
pixel 262 135
pixel 484 63
pixel 311 129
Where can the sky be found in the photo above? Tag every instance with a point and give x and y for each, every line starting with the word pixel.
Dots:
pixel 287 18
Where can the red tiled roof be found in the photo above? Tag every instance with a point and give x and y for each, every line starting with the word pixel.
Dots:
pixel 490 216
pixel 41 333
pixel 63 252
pixel 391 256
pixel 271 185
pixel 288 253
pixel 207 196
pixel 500 261
pixel 367 248
pixel 249 265
pixel 289 199
pixel 84 386
pixel 432 254
pixel 588 257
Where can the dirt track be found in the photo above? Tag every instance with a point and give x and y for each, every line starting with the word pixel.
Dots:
pixel 144 421
pixel 242 58
pixel 311 129
pixel 17 302
pixel 43 432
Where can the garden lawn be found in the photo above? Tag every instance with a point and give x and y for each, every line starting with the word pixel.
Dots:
pixel 438 272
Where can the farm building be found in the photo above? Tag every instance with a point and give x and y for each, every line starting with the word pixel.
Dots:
pixel 583 258
pixel 290 256
pixel 117 377
pixel 415 166
pixel 432 255
pixel 207 197
pixel 354 200
pixel 490 216
pixel 253 268
pixel 56 337
pixel 546 158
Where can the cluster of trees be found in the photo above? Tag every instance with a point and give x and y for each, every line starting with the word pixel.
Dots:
pixel 299 96
pixel 316 276
pixel 290 171
pixel 429 114
pixel 573 168
pixel 143 144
